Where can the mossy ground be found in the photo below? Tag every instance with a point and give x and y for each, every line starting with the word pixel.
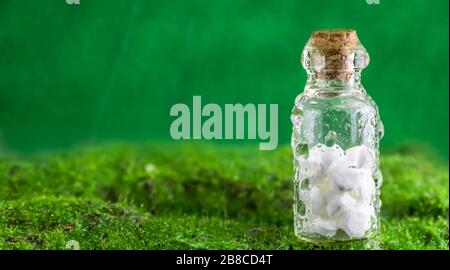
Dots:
pixel 162 196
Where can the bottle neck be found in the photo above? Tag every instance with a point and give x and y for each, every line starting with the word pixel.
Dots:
pixel 334 82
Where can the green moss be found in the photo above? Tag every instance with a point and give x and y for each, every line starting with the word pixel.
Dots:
pixel 197 197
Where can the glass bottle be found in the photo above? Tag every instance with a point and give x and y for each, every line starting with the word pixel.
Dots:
pixel 335 139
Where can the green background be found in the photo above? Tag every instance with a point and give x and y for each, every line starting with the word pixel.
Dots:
pixel 111 70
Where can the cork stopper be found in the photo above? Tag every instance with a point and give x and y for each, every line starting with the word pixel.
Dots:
pixel 334 54
pixel 335 39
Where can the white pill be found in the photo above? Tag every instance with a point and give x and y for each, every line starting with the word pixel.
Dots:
pixel 309 167
pixel 331 195
pixel 360 157
pixel 317 201
pixel 313 200
pixel 346 178
pixel 315 153
pixel 340 203
pixel 318 180
pixel 317 150
pixel 331 156
pixel 323 227
pixel 366 190
pixel 356 221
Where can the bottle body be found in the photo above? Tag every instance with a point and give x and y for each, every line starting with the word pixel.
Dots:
pixel 335 141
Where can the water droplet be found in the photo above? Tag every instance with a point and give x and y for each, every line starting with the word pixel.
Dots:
pixel 347 127
pixel 301 149
pixel 72 245
pixel 304 184
pixel 331 138
pixel 301 208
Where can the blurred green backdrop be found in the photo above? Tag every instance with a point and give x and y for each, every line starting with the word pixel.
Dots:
pixel 111 70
